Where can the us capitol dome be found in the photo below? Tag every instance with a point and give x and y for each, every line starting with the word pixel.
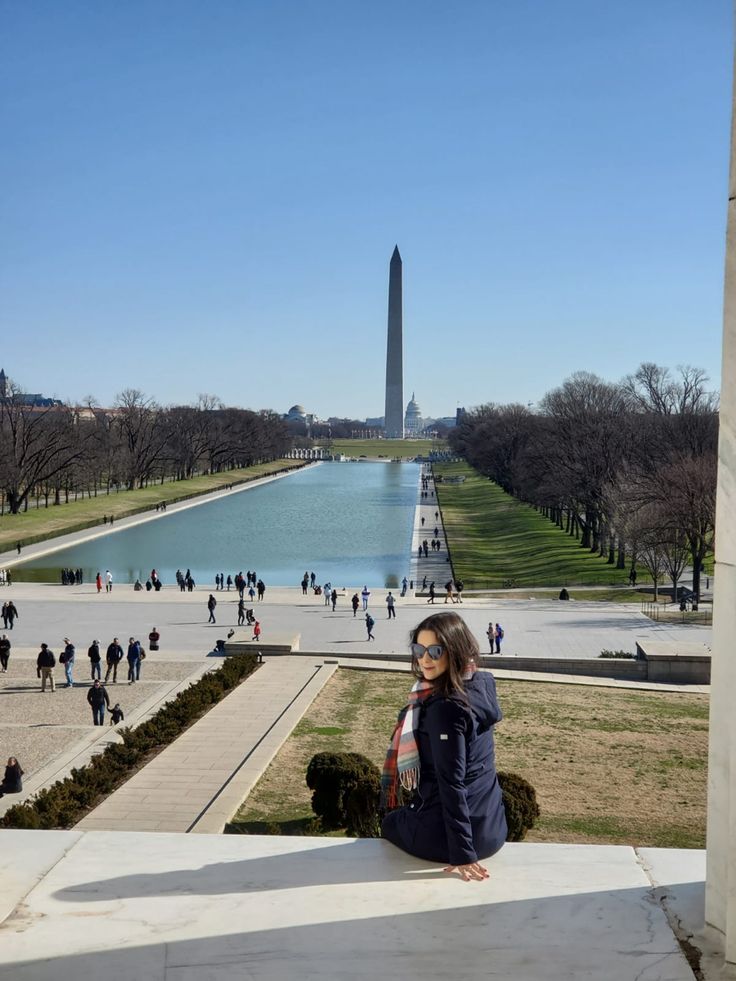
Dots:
pixel 413 418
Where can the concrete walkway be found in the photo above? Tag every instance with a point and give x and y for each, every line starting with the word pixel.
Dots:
pixel 435 567
pixel 198 782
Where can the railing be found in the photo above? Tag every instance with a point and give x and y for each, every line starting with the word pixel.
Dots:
pixel 699 613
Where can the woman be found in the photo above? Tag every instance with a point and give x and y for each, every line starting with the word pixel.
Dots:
pixel 12 783
pixel 491 635
pixel 442 749
pixel 153 638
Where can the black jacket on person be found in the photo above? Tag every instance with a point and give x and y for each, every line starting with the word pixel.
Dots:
pixel 114 654
pixel 97 696
pixel 457 815
pixel 12 783
pixel 46 659
pixel 94 653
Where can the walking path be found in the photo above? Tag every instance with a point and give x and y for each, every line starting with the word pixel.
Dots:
pixel 197 783
pixel 427 516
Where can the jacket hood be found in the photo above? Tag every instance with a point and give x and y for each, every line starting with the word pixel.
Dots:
pixel 481 692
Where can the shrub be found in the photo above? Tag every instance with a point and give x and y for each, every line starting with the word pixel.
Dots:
pixel 609 654
pixel 345 792
pixel 520 802
pixel 64 803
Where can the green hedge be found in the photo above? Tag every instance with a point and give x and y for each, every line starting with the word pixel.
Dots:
pixel 67 801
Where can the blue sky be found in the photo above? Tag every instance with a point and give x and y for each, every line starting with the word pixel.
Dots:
pixel 204 197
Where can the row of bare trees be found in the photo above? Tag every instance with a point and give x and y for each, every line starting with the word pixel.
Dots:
pixel 48 453
pixel 627 468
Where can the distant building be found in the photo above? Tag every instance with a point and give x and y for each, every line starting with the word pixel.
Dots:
pixel 35 399
pixel 413 424
pixel 297 413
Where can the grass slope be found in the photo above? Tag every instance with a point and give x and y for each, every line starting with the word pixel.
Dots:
pixel 495 539
pixel 40 523
pixel 609 765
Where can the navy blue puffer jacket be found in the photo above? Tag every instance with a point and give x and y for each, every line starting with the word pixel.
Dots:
pixel 456 816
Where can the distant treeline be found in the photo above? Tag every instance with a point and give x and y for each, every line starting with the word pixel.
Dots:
pixel 628 468
pixel 56 451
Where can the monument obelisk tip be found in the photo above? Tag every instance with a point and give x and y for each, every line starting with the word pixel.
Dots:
pixel 394 413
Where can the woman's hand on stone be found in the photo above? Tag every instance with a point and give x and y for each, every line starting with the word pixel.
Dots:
pixel 474 870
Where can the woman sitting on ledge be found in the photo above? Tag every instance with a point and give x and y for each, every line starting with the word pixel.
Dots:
pixel 442 751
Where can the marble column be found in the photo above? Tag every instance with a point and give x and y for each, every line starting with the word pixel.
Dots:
pixel 720 892
pixel 394 417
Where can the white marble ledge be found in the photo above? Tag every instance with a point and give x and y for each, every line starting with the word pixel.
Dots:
pixel 175 907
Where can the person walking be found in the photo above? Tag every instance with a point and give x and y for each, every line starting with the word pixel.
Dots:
pixel 95 659
pixel 261 587
pixel 12 782
pixel 432 593
pixel 365 593
pixel 4 652
pixel 499 637
pixel 404 584
pixel 134 660
pixel 305 584
pixel 355 602
pixel 211 604
pixel 153 638
pixel 459 587
pixel 113 657
pixel 98 698
pixel 117 715
pixel 442 749
pixel 448 591
pixel 108 581
pixel 45 664
pixel 241 611
pixel 98 582
pixel 369 625
pixel 256 631
pixel 327 593
pixel 67 659
pixel 391 605
pixel 11 613
pixel 334 599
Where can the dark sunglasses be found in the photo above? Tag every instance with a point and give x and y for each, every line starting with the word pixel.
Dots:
pixel 435 651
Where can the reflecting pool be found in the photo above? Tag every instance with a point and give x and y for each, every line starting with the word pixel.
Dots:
pixel 350 523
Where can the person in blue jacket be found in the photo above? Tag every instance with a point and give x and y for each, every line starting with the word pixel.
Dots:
pixel 442 754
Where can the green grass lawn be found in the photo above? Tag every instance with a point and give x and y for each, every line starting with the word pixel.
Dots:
pixel 496 540
pixel 609 765
pixel 38 524
pixel 406 448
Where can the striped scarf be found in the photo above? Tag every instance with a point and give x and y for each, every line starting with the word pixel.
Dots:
pixel 402 757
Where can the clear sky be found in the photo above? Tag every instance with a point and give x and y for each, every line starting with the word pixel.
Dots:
pixel 204 196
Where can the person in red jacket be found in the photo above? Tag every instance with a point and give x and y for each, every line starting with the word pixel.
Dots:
pixel 256 630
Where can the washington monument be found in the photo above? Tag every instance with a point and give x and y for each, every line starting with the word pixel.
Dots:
pixel 394 417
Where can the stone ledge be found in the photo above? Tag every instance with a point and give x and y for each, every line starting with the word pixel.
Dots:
pixel 230 907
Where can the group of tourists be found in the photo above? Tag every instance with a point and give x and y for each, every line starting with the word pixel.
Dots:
pixel 71 577
pixel 114 655
pixel 6 577
pixel 185 581
pixel 309 579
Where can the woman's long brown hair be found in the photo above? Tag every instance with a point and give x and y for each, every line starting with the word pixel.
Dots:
pixel 458 643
